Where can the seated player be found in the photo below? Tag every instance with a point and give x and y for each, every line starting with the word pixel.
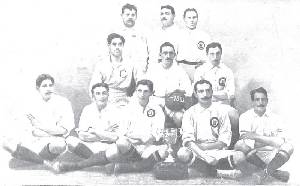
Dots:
pixel 262 138
pixel 97 130
pixel 49 119
pixel 140 149
pixel 206 133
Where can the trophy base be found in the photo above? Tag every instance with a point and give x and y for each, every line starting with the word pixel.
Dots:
pixel 170 171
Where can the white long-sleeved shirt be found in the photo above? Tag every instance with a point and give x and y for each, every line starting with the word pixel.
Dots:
pixel 168 80
pixel 118 77
pixel 192 45
pixel 220 76
pixel 206 124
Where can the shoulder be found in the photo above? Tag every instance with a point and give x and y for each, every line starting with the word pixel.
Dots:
pixel 248 114
pixel 60 99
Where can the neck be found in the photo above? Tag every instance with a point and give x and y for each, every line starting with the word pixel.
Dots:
pixel 205 105
pixel 164 27
pixel 259 113
pixel 143 103
pixel 101 107
pixel 116 59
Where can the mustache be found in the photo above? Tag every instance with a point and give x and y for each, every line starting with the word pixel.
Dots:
pixel 163 19
pixel 206 98
pixel 261 106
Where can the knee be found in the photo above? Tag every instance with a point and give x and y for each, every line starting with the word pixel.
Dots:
pixel 10 145
pixel 57 146
pixel 184 154
pixel 288 148
pixel 112 153
pixel 72 142
pixel 238 157
pixel 123 145
pixel 242 146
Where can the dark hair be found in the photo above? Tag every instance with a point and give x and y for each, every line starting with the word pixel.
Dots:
pixel 213 45
pixel 145 82
pixel 112 36
pixel 130 7
pixel 99 85
pixel 166 44
pixel 168 7
pixel 200 82
pixel 258 90
pixel 190 10
pixel 41 78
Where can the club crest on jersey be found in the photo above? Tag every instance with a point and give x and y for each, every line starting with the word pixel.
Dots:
pixel 222 81
pixel 201 45
pixel 151 113
pixel 123 73
pixel 214 122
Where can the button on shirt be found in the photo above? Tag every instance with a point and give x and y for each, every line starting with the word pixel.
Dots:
pixel 268 124
pixel 143 121
pixel 192 44
pixel 118 77
pixel 206 125
pixel 221 78
pixel 103 120
pixel 168 80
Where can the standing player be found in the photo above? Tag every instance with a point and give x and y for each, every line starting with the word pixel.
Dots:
pixel 97 131
pixel 262 138
pixel 222 80
pixel 136 43
pixel 116 71
pixel 192 43
pixel 50 119
pixel 144 121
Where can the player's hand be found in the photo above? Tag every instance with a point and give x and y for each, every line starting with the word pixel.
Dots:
pixel 34 122
pixel 210 160
pixel 249 135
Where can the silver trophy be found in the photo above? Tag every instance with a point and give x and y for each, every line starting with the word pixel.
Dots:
pixel 170 138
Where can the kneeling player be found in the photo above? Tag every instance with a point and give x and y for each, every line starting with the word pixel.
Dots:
pixel 49 120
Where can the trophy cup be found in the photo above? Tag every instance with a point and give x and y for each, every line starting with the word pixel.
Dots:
pixel 170 138
pixel 170 169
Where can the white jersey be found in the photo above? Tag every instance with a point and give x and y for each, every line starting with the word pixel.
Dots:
pixel 206 124
pixel 192 45
pixel 135 47
pixel 160 36
pixel 221 77
pixel 118 77
pixel 143 121
pixel 168 80
pixel 103 120
pixel 57 111
pixel 269 124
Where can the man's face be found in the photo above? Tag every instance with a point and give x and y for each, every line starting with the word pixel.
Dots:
pixel 143 93
pixel 204 93
pixel 166 17
pixel 167 56
pixel 214 55
pixel 191 19
pixel 46 89
pixel 260 103
pixel 100 96
pixel 116 47
pixel 129 17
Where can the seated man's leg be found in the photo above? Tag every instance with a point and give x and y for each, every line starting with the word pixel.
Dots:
pixel 185 155
pixel 234 121
pixel 52 147
pixel 76 146
pixel 19 151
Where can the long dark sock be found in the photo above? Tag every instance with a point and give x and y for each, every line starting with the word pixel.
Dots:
pixel 24 153
pixel 255 160
pixel 97 159
pixel 82 151
pixel 204 167
pixel 280 158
